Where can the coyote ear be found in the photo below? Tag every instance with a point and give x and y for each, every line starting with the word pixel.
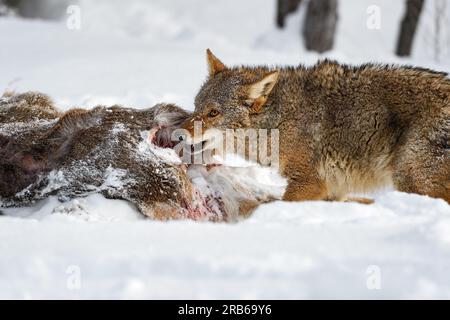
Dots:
pixel 214 65
pixel 259 91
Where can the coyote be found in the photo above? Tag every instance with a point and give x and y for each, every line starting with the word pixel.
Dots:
pixel 342 129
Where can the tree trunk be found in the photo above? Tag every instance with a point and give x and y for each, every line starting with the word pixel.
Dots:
pixel 320 25
pixel 408 27
pixel 284 7
pixel 44 9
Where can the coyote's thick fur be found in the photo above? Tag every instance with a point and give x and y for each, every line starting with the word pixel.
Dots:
pixel 342 129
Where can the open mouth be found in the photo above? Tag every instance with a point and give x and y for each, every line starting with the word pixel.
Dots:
pixel 161 137
pixel 203 202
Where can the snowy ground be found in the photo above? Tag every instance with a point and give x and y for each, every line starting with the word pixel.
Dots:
pixel 148 52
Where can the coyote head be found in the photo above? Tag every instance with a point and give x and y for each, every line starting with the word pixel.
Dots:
pixel 230 96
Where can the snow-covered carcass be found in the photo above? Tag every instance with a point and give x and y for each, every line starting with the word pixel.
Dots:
pixel 122 153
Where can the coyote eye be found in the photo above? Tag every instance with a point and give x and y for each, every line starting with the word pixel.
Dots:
pixel 213 113
pixel 247 104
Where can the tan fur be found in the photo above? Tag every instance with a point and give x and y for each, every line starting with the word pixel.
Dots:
pixel 264 86
pixel 343 129
pixel 360 200
pixel 246 207
pixel 214 64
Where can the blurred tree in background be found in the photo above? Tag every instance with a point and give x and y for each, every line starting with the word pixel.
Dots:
pixel 320 22
pixel 408 27
pixel 284 7
pixel 320 25
pixel 44 9
pixel 318 30
pixel 321 19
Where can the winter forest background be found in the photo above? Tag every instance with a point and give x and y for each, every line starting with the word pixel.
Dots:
pixel 291 31
pixel 319 26
pixel 137 53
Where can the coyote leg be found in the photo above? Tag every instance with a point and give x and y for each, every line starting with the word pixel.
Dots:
pixel 360 200
pixel 423 167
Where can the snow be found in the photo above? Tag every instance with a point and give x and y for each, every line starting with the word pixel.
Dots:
pixel 139 53
pixel 149 150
